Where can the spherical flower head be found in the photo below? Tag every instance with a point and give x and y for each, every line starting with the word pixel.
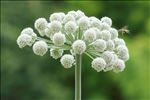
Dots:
pixel 79 14
pixel 98 64
pixel 119 66
pixel 40 48
pixel 106 35
pixel 70 27
pixel 55 26
pixel 109 67
pixel 40 24
pixel 59 39
pixel 89 35
pixel 114 33
pixel 122 52
pixel 56 53
pixel 73 13
pixel 55 17
pixel 108 57
pixel 104 26
pixel 24 40
pixel 79 46
pixel 62 15
pixel 98 33
pixel 83 23
pixel 110 45
pixel 99 45
pixel 68 18
pixel 67 60
pixel 119 41
pixel 106 20
pixel 29 31
pixel 95 22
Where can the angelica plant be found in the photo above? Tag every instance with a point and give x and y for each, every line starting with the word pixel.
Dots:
pixel 78 34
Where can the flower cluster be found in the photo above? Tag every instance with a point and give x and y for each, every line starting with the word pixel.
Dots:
pixel 79 34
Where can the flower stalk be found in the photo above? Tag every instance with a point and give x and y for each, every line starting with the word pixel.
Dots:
pixel 78 69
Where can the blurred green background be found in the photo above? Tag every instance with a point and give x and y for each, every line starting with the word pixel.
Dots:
pixel 25 76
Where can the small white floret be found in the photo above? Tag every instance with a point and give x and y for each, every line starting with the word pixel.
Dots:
pixel 83 23
pixel 110 45
pixel 119 66
pixel 70 27
pixel 67 60
pixel 55 17
pixel 113 32
pixel 106 20
pixel 89 35
pixel 119 41
pixel 59 39
pixel 68 18
pixel 104 26
pixel 79 46
pixel 99 45
pixel 106 35
pixel 40 48
pixel 98 64
pixel 24 40
pixel 56 53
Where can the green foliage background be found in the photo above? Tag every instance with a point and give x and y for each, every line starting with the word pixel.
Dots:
pixel 25 76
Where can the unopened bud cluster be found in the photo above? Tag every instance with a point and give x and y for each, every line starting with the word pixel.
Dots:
pixel 79 34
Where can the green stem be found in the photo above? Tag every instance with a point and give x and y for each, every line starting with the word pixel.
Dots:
pixel 78 77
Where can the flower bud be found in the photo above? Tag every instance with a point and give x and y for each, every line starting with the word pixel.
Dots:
pixel 24 40
pixel 79 46
pixel 59 39
pixel 89 35
pixel 67 60
pixel 106 35
pixel 70 27
pixel 119 66
pixel 73 13
pixel 113 32
pixel 98 64
pixel 40 48
pixel 106 20
pixel 95 22
pixel 56 53
pixel 99 45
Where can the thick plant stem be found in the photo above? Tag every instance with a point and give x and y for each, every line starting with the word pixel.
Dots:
pixel 78 77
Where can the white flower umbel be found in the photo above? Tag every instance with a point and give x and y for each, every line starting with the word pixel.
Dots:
pixel 119 66
pixel 89 35
pixel 41 24
pixel 98 64
pixel 59 39
pixel 24 40
pixel 40 48
pixel 67 60
pixel 79 46
pixel 99 45
pixel 56 53
pixel 78 35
